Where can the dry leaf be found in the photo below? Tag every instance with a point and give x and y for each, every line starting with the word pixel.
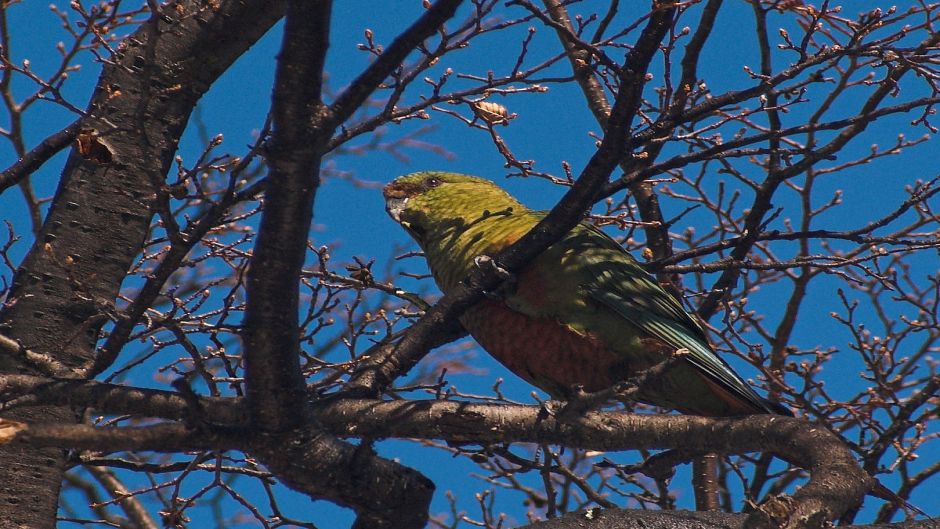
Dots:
pixel 492 113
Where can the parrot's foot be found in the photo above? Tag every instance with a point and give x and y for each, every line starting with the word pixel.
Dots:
pixel 580 402
pixel 489 265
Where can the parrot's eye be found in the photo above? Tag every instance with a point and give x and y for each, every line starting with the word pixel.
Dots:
pixel 432 182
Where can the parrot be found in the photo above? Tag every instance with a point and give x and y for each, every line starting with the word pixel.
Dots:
pixel 582 315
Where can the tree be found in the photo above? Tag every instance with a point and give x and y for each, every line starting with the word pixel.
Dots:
pixel 281 369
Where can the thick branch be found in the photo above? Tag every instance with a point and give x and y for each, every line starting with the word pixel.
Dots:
pixel 837 483
pixel 384 494
pixel 275 386
pixel 167 438
pixel 639 519
pixel 28 390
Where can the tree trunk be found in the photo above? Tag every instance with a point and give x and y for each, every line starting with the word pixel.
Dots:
pixel 64 290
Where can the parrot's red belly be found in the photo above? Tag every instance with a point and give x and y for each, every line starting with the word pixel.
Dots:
pixel 557 359
pixel 544 352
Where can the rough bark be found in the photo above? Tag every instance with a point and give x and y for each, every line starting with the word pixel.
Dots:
pixel 64 290
pixel 632 519
pixel 308 459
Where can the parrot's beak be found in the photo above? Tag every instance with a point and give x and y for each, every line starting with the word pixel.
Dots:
pixel 394 206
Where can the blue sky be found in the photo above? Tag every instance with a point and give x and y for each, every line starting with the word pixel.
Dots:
pixel 551 128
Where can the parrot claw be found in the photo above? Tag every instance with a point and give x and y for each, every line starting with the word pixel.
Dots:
pixel 489 265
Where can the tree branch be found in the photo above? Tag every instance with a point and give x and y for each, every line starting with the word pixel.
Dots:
pixel 836 484
pixel 40 154
pixel 383 493
pixel 28 390
pixel 390 60
pixel 641 519
pixel 777 175
pixel 275 386
pixel 167 438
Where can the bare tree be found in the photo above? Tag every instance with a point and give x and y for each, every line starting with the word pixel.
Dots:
pixel 281 368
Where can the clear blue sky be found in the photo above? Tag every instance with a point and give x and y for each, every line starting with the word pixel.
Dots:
pixel 551 128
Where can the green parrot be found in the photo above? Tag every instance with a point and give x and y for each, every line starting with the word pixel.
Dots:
pixel 583 313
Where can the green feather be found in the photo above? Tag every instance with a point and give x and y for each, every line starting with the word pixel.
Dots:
pixel 631 292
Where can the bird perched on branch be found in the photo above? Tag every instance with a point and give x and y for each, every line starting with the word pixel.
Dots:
pixel 583 314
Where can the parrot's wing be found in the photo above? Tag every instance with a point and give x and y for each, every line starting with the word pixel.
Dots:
pixel 620 283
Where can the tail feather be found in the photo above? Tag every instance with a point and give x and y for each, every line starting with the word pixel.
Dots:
pixel 736 404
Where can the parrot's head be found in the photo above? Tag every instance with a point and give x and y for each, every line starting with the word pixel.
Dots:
pixel 430 202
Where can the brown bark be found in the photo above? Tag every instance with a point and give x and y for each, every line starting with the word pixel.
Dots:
pixel 632 519
pixel 64 290
pixel 321 466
